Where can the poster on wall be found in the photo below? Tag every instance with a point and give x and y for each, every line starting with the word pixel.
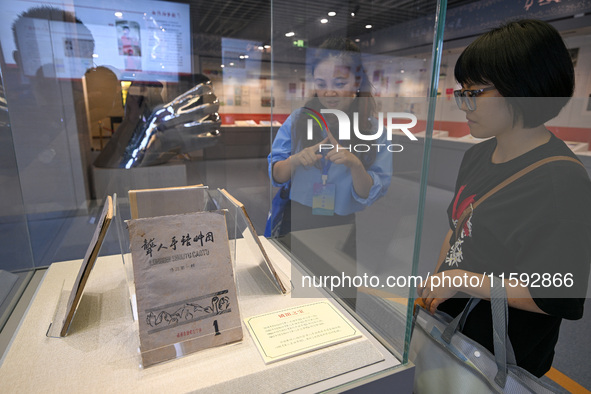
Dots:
pixel 139 41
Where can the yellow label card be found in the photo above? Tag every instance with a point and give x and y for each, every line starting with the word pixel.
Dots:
pixel 290 332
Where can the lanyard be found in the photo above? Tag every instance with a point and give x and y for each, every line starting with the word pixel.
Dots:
pixel 326 163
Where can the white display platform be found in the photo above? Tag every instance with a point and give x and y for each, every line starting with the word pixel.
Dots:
pixel 100 354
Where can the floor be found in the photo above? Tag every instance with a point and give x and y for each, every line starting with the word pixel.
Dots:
pixel 65 238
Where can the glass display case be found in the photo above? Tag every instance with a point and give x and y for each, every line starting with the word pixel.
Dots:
pixel 16 255
pixel 100 98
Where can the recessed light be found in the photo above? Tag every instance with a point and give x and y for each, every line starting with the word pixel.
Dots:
pixel 332 13
pixel 119 14
pixel 290 34
pixel 357 39
pixel 368 26
pixel 323 20
pixel 267 46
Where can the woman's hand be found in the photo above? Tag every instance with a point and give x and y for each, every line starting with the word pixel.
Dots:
pixel 362 181
pixel 440 287
pixel 339 155
pixel 308 157
pixel 436 290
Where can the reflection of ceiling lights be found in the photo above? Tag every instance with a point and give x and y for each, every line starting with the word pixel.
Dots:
pixel 119 14
pixel 290 34
pixel 368 26
pixel 94 55
pixel 231 64
pixel 357 40
pixel 332 13
pixel 323 20
pixel 261 48
pixel 222 66
pixel 267 46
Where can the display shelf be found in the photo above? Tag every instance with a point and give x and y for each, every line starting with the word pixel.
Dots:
pixel 100 353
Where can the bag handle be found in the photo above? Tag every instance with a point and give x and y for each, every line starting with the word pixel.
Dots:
pixel 459 320
pixel 504 353
pixel 500 317
pixel 466 214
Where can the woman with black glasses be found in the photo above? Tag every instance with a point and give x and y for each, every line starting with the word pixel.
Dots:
pixel 536 232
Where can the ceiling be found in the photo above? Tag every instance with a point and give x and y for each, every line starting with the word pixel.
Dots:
pixel 251 19
pixel 400 21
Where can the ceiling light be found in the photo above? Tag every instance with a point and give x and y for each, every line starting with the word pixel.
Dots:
pixel 357 39
pixel 119 14
pixel 261 48
pixel 332 13
pixel 352 14
pixel 290 34
pixel 232 63
pixel 323 20
pixel 267 46
pixel 368 26
pixel 222 66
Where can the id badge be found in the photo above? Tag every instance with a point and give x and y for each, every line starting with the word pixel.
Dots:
pixel 323 199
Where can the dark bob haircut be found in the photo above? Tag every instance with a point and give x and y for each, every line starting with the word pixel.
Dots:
pixel 522 59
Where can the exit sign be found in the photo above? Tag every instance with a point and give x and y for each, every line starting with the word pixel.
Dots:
pixel 300 43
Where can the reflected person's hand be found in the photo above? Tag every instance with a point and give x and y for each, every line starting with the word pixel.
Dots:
pixel 309 156
pixel 340 155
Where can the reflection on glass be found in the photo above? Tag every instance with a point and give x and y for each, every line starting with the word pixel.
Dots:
pixel 317 154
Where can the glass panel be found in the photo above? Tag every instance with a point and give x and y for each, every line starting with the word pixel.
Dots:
pixel 351 88
pixel 16 258
pixel 106 96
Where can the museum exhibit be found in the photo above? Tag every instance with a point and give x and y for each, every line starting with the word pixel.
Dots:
pixel 252 196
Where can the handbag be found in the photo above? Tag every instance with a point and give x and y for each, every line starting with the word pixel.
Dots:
pixel 277 211
pixel 447 361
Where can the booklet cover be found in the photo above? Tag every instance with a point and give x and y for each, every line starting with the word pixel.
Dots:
pixel 87 264
pixel 185 287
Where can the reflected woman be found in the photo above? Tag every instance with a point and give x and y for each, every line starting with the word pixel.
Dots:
pixel 329 180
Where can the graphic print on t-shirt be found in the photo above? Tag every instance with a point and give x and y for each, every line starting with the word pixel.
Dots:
pixel 455 255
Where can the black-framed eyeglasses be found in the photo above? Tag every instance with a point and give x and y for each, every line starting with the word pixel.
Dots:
pixel 468 97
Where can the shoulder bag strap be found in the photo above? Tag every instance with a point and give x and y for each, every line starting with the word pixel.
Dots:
pixel 467 212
